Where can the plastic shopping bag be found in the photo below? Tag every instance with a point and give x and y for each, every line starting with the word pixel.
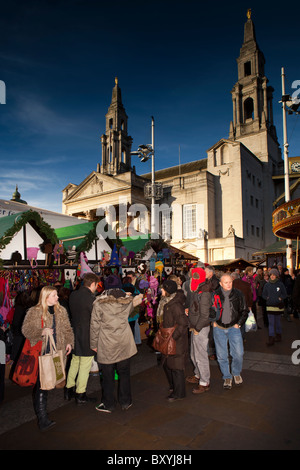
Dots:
pixel 250 324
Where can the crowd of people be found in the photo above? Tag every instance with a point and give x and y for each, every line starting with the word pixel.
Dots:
pixel 98 321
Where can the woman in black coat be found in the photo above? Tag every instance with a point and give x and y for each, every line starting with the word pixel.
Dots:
pixel 173 314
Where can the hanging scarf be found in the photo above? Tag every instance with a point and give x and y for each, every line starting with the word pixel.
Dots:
pixel 160 309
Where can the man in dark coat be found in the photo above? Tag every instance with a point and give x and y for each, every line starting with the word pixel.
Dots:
pixel 81 305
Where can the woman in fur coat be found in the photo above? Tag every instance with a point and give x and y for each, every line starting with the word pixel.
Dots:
pixel 47 316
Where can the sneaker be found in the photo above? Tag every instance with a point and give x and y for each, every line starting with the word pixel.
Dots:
pixel 103 408
pixel 238 380
pixel 126 407
pixel 227 384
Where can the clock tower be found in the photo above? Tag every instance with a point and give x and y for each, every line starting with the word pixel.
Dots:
pixel 252 100
pixel 116 143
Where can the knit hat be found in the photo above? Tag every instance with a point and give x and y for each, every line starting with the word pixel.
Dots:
pixel 274 271
pixel 116 293
pixel 112 282
pixel 197 277
pixel 170 286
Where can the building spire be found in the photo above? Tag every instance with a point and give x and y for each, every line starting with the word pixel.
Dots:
pixel 249 31
pixel 116 144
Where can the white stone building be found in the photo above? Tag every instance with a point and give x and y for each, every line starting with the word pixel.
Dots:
pixel 221 206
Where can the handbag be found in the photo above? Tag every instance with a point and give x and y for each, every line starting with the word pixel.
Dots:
pixel 27 367
pixel 51 366
pixel 164 341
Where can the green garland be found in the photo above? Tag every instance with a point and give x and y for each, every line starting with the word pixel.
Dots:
pixel 157 244
pixel 91 236
pixel 23 219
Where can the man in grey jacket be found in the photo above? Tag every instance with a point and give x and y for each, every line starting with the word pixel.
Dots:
pixel 199 303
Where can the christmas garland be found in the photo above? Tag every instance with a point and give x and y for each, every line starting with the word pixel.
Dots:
pixel 21 220
pixel 157 244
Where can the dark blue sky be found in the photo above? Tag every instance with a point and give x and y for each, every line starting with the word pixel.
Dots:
pixel 174 60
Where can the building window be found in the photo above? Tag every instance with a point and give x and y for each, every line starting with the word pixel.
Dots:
pixel 166 224
pixel 247 68
pixel 189 221
pixel 248 109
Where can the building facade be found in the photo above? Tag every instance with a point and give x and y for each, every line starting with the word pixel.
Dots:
pixel 216 208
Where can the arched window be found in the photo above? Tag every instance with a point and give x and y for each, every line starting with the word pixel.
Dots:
pixel 248 109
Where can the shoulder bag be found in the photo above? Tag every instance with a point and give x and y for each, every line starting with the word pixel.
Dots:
pixel 51 366
pixel 164 341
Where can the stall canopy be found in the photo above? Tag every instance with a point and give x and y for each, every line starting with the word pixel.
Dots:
pixel 12 224
pixel 277 247
pixel 183 254
pixel 82 236
pixel 240 263
pixel 135 244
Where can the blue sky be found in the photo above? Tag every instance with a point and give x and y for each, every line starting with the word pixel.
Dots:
pixel 174 60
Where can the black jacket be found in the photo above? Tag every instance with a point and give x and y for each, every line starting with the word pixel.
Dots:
pixel 174 315
pixel 81 305
pixel 238 307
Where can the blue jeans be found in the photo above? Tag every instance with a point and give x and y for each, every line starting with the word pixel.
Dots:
pixel 274 324
pixel 236 349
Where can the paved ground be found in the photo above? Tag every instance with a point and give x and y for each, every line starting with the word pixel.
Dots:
pixel 263 413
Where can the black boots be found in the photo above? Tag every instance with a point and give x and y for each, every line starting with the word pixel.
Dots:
pixel 82 398
pixel 40 408
pixel 69 393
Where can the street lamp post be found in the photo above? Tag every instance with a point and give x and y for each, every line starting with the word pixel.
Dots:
pixel 144 152
pixel 292 105
pixel 289 250
pixel 152 179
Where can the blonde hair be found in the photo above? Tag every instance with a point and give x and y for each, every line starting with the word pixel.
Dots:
pixel 45 292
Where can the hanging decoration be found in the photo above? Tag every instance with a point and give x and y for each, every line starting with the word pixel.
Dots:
pixel 123 253
pixel 83 267
pixel 114 259
pixel 32 253
pixel 58 251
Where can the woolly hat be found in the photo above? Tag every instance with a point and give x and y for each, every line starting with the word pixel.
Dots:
pixel 112 282
pixel 197 277
pixel 274 271
pixel 116 293
pixel 170 286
